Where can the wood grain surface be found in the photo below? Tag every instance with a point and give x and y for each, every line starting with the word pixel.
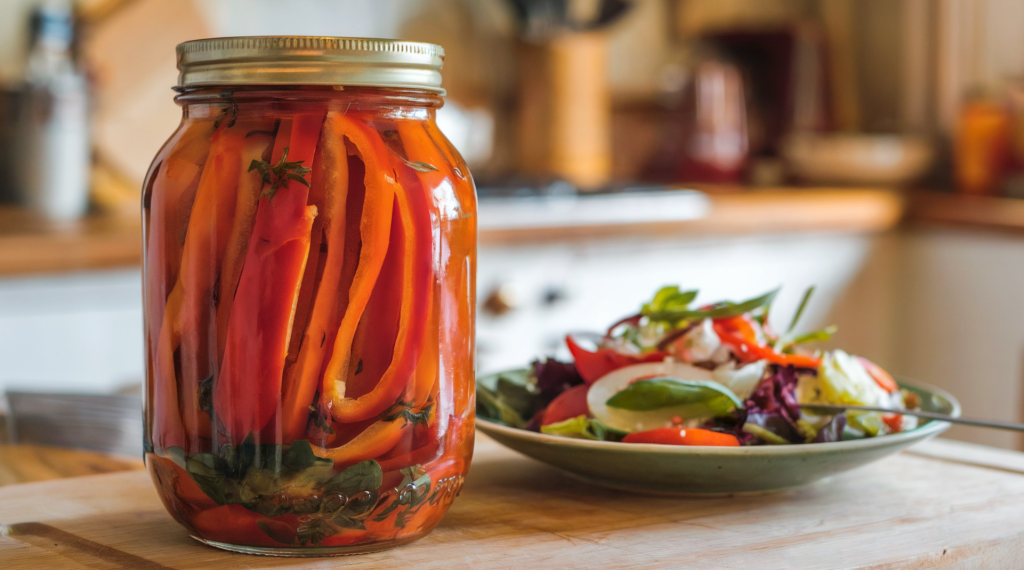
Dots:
pixel 943 505
pixel 31 463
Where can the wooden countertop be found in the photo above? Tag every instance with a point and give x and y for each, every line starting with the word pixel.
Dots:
pixel 941 505
pixel 944 209
pixel 33 463
pixel 31 246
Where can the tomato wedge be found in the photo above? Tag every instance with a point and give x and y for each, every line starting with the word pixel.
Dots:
pixel 683 436
pixel 879 375
pixel 592 365
pixel 568 404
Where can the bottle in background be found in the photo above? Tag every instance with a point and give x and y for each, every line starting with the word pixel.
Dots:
pixel 52 146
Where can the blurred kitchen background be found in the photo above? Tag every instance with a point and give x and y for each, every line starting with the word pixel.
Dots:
pixel 874 148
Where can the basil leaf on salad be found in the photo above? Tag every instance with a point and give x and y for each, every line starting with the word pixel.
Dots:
pixel 717 312
pixel 704 396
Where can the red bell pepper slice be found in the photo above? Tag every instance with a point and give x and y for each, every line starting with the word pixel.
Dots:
pixel 683 436
pixel 593 365
pixel 187 314
pixel 248 391
pixel 258 146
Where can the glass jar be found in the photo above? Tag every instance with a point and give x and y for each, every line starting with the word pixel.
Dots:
pixel 310 255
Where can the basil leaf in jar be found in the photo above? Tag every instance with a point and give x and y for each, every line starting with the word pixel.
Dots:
pixel 363 476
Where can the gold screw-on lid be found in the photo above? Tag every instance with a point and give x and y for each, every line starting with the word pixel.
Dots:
pixel 305 60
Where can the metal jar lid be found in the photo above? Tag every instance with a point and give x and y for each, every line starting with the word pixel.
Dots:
pixel 306 60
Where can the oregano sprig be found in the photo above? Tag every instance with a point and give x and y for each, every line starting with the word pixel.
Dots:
pixel 277 175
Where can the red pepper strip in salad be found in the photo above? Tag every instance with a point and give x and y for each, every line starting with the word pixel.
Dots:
pixel 373 441
pixel 880 376
pixel 894 422
pixel 257 146
pixel 247 393
pixel 375 227
pixel 416 298
pixel 593 365
pixel 750 351
pixel 683 436
pixel 302 379
pixel 185 314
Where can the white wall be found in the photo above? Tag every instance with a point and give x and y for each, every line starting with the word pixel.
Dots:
pixel 79 332
pixel 961 324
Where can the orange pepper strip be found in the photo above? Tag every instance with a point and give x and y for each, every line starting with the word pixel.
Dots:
pixel 248 391
pixel 417 294
pixel 731 332
pixel 302 379
pixel 375 227
pixel 187 310
pixel 372 442
pixel 250 186
pixel 172 186
pixel 425 143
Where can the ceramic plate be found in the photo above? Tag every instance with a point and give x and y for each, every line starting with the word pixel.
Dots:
pixel 662 469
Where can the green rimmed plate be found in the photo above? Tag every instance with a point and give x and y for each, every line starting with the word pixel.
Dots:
pixel 671 470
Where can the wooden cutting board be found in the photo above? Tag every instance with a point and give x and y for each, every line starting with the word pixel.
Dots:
pixel 944 505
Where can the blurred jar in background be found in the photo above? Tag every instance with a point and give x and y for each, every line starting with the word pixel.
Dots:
pixel 716 144
pixel 51 168
pixel 982 146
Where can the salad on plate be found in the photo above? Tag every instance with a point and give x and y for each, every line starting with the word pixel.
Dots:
pixel 711 375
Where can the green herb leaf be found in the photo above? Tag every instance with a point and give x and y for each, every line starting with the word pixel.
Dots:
pixel 300 456
pixel 669 298
pixel 313 531
pixel 492 407
pixel 207 472
pixel 703 397
pixel 517 396
pixel 277 175
pixel 363 476
pixel 800 309
pixel 718 312
pixel 816 336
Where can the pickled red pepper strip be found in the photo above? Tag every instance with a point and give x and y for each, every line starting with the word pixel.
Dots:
pixel 302 379
pixel 417 294
pixel 375 227
pixel 184 323
pixel 174 187
pixel 258 145
pixel 248 389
